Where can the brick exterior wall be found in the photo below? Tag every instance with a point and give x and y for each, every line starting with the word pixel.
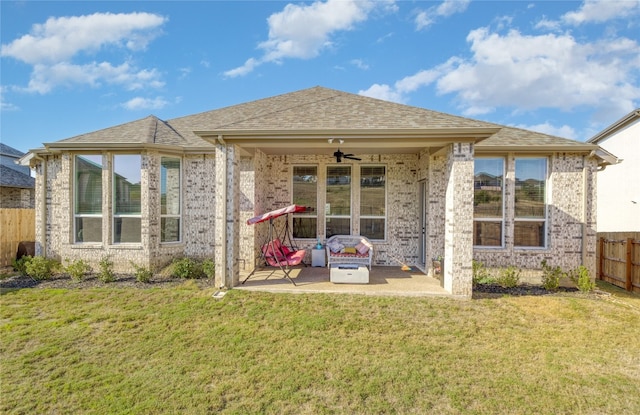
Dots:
pixel 198 205
pixel 17 198
pixel 263 182
pixel 567 227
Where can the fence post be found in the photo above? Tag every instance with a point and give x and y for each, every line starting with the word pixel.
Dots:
pixel 601 258
pixel 629 265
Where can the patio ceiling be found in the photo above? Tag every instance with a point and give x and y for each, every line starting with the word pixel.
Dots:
pixel 378 141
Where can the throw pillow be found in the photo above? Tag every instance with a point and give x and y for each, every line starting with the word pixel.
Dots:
pixel 335 246
pixel 349 250
pixel 362 248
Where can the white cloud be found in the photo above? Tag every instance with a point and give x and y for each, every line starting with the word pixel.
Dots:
pixel 425 18
pixel 564 131
pixel 45 78
pixel 450 7
pixel 304 31
pixel 408 84
pixel 599 11
pixel 139 103
pixel 384 92
pixel 554 71
pixel 593 11
pixel 51 47
pixel 184 72
pixel 525 73
pixel 6 106
pixel 360 64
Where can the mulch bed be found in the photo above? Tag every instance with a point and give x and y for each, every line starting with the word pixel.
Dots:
pixel 91 281
pixel 496 291
pixel 128 281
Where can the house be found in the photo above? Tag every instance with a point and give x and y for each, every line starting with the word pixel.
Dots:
pixel 619 185
pixel 186 187
pixel 17 187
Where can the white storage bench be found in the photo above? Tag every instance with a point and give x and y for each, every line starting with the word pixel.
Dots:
pixel 349 274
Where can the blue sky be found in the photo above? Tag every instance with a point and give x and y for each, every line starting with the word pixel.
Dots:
pixel 567 68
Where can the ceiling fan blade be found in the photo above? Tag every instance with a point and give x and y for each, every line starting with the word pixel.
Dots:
pixel 351 157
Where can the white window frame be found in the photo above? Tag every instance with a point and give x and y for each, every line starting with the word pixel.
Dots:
pixel 386 199
pixel 75 200
pixel 170 216
pixel 546 205
pixel 495 219
pixel 350 215
pixel 314 213
pixel 115 216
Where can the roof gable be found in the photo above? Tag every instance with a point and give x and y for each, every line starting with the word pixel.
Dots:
pixel 321 108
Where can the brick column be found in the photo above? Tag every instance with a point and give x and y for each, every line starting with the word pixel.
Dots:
pixel 458 227
pixel 227 207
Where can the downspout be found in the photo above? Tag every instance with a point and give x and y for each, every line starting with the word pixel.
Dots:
pixel 585 204
pixel 43 205
pixel 223 192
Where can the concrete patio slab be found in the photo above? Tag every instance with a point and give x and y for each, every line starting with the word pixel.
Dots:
pixel 382 281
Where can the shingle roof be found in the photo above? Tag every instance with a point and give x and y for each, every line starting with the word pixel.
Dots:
pixel 516 137
pixel 321 108
pixel 13 178
pixel 6 150
pixel 149 130
pixel 314 109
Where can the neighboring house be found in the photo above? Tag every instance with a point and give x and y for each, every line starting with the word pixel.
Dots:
pixel 619 185
pixel 192 183
pixel 17 187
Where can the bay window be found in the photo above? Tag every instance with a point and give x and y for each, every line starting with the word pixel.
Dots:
pixel 530 202
pixel 488 202
pixel 127 214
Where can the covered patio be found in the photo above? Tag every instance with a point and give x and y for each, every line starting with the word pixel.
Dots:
pixel 383 280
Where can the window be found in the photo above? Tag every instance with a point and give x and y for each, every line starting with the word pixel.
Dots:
pixel 170 199
pixel 372 202
pixel 88 198
pixel 126 198
pixel 530 202
pixel 488 202
pixel 338 202
pixel 305 193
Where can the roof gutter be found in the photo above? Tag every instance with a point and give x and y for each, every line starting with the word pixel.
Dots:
pixel 59 147
pixel 622 122
pixel 477 134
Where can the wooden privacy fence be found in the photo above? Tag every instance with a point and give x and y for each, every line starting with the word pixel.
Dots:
pixel 619 261
pixel 16 225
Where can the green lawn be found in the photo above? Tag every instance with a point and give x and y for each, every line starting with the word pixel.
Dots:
pixel 177 350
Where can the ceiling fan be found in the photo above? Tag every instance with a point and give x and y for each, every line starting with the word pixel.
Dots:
pixel 339 155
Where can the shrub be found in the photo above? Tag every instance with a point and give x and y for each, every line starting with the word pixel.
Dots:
pixel 41 268
pixel 77 269
pixel 106 270
pixel 209 268
pixel 551 276
pixel 480 274
pixel 20 264
pixel 581 278
pixel 509 277
pixel 187 268
pixel 142 273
